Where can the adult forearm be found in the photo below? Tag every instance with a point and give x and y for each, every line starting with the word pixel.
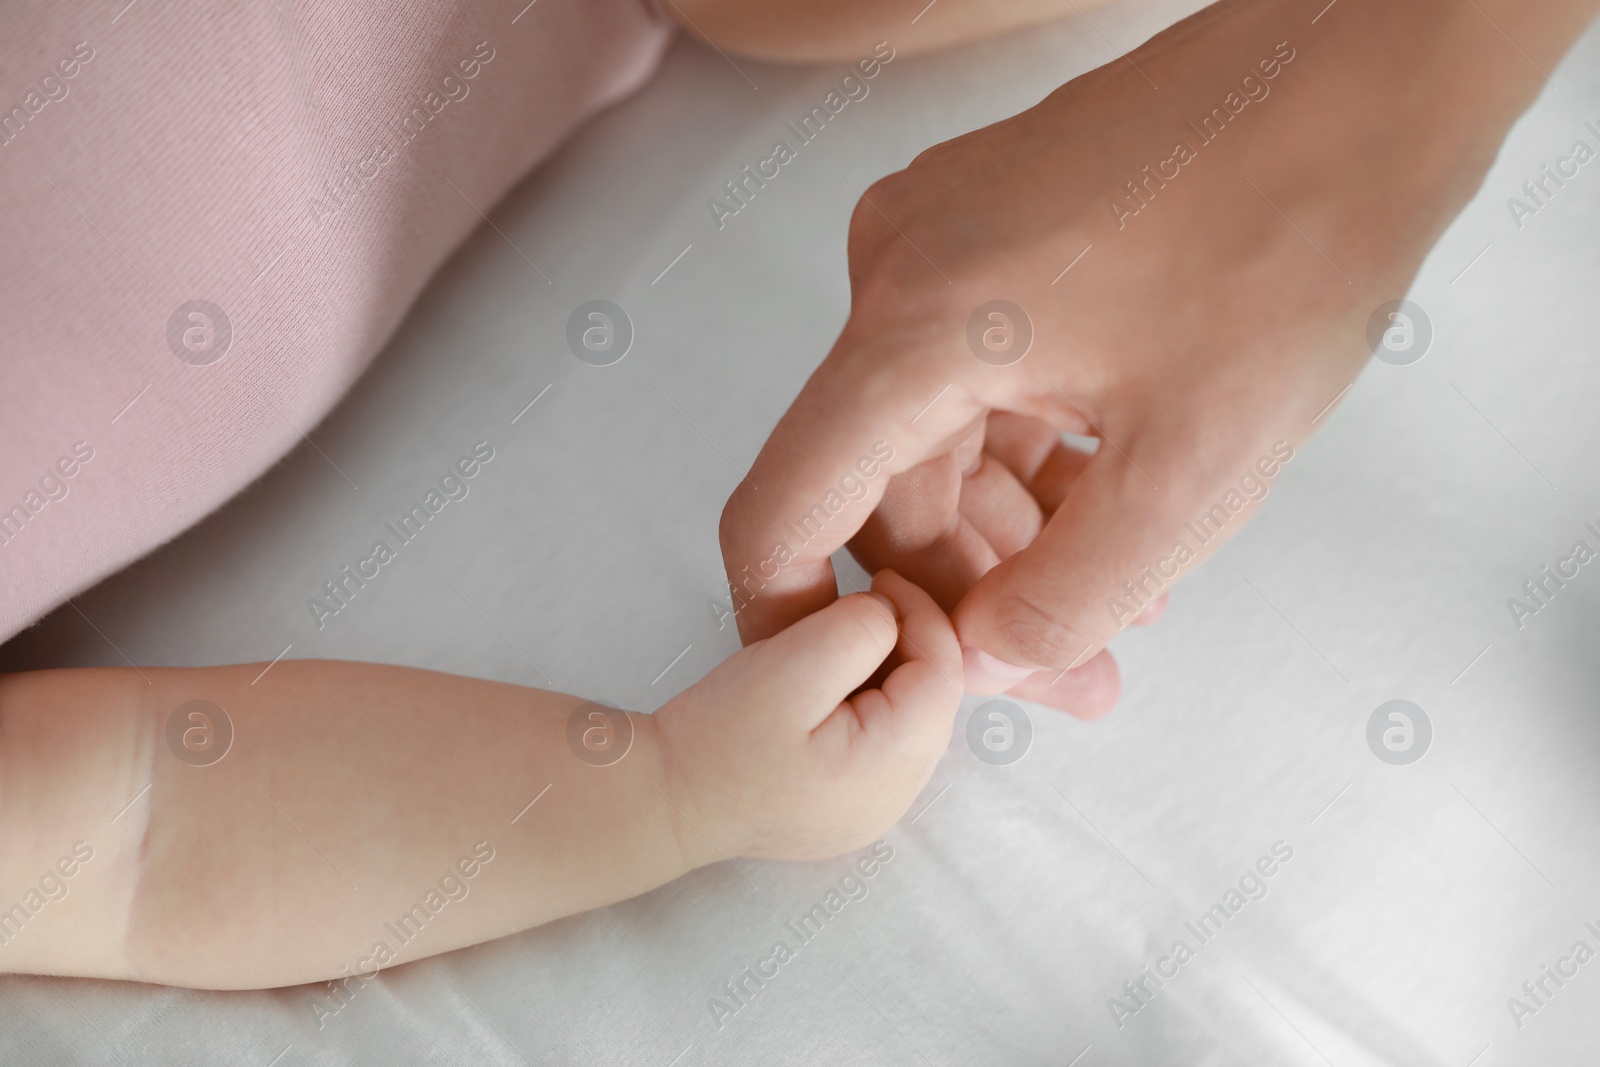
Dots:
pixel 842 30
pixel 361 816
pixel 822 30
pixel 1449 76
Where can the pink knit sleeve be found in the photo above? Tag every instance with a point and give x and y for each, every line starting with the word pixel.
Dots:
pixel 213 217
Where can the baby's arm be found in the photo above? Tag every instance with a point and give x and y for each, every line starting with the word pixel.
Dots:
pixel 362 805
pixel 349 790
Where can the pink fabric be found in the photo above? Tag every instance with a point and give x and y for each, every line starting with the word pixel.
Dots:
pixel 288 161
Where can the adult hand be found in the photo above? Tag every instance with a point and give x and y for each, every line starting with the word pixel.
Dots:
pixel 1192 242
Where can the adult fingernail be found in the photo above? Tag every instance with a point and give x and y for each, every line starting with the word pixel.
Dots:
pixel 1152 612
pixel 989 674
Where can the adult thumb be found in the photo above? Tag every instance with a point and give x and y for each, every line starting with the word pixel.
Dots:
pixel 873 409
pixel 1127 531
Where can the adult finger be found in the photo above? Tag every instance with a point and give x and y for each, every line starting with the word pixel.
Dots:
pixel 1118 540
pixel 944 523
pixel 863 417
pixel 1033 450
pixel 1088 691
pixel 918 530
pixel 1000 507
pixel 1153 611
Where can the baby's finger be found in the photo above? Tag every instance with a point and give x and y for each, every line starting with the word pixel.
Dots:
pixel 920 696
pixel 827 654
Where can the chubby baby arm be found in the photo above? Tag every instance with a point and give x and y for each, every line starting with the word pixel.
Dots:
pixel 353 816
pixel 363 815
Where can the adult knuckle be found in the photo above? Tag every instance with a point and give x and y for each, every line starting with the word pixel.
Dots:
pixel 867 220
pixel 734 523
pixel 1040 633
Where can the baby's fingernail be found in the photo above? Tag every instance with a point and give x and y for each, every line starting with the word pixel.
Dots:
pixel 989 674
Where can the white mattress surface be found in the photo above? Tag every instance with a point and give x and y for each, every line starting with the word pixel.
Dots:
pixel 1020 898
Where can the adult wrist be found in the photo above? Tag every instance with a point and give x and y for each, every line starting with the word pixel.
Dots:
pixel 1389 113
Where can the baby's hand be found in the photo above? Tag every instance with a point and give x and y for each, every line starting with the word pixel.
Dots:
pixel 775 754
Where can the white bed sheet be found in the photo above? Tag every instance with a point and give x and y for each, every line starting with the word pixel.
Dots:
pixel 1418 898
